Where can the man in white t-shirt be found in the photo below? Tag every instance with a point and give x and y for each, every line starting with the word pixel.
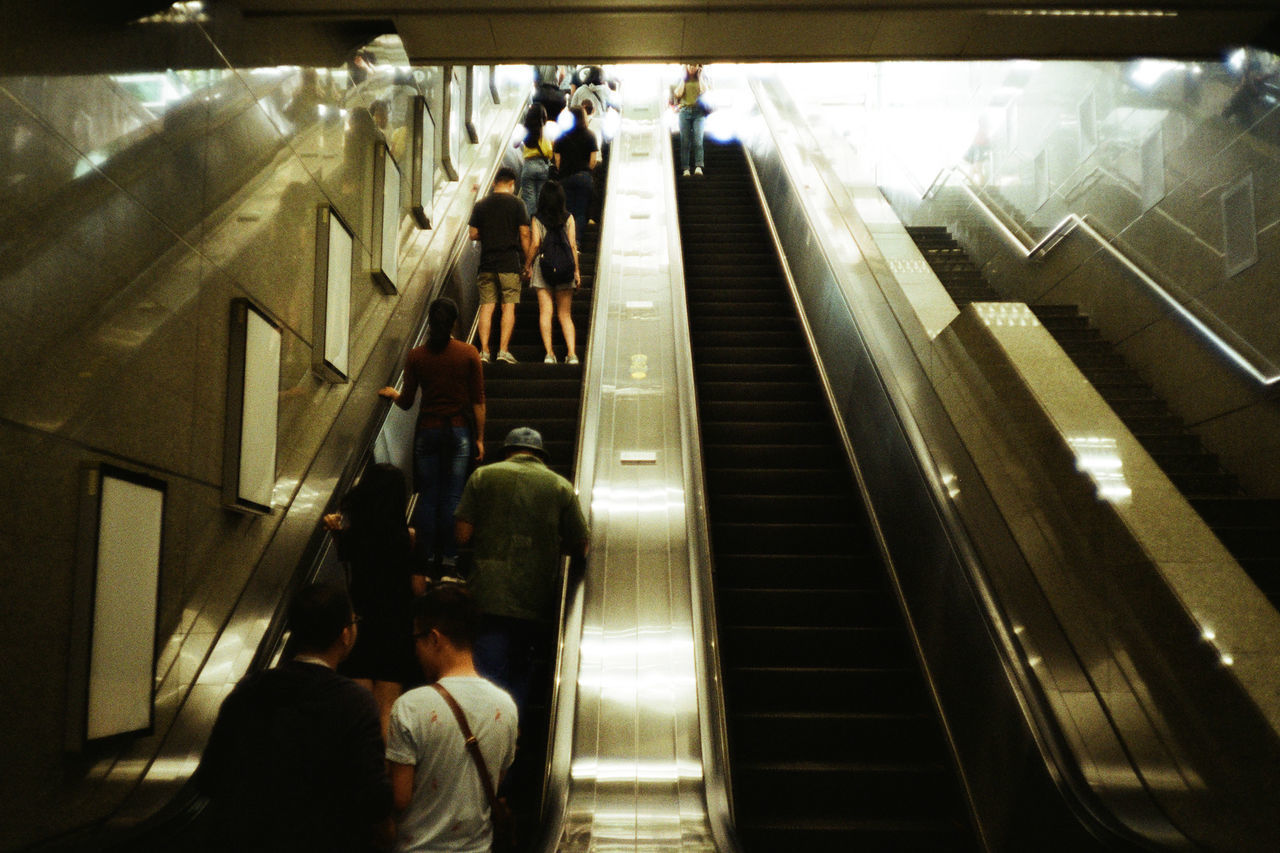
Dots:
pixel 441 801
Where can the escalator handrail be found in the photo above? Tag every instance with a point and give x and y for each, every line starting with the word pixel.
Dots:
pixel 1053 742
pixel 185 804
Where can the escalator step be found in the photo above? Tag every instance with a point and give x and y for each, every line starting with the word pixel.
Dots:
pixel 878 690
pixel 821 646
pixel 797 607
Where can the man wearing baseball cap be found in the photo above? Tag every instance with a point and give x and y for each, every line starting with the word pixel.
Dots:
pixel 519 517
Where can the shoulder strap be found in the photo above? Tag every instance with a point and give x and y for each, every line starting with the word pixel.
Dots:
pixel 473 745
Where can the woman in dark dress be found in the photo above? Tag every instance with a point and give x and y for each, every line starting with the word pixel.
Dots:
pixel 376 544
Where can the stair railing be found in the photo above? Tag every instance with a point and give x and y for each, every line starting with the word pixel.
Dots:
pixel 1240 352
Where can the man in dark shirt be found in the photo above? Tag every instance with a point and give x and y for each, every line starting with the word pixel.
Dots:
pixel 501 223
pixel 295 760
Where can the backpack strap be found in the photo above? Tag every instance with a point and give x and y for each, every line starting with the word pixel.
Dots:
pixel 473 747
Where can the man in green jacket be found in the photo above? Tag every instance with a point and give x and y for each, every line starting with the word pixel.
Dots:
pixel 520 518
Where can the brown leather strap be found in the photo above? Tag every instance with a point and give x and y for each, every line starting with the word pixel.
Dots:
pixel 473 745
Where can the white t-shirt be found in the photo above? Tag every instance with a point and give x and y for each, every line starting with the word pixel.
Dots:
pixel 449 809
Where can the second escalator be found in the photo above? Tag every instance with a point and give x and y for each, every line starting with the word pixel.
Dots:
pixel 833 742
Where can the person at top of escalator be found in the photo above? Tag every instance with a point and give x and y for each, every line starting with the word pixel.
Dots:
pixel 449 432
pixel 535 156
pixel 295 759
pixel 576 154
pixel 692 113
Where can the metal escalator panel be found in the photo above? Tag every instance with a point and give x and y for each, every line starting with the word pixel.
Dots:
pixel 833 742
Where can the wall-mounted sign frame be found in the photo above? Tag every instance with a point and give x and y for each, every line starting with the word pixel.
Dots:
pixel 469 116
pixel 116 603
pixel 331 307
pixel 253 389
pixel 423 165
pixel 448 126
pixel 386 219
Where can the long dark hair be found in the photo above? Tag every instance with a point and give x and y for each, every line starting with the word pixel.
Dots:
pixel 579 121
pixel 551 210
pixel 441 317
pixel 376 506
pixel 534 119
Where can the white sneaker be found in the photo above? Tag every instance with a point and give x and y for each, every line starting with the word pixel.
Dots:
pixel 573 359
pixel 550 359
pixel 685 173
pixel 698 171
pixel 507 357
pixel 484 358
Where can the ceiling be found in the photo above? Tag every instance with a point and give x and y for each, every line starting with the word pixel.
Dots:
pixel 47 37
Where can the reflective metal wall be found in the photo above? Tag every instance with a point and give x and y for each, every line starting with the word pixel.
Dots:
pixel 1173 163
pixel 136 207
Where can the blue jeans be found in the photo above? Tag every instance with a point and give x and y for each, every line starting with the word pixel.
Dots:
pixel 441 456
pixel 533 176
pixel 691 119
pixel 577 198
pixel 514 653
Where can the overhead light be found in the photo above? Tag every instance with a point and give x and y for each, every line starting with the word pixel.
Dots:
pixel 1084 13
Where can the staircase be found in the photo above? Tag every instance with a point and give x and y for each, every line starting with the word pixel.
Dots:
pixel 1248 527
pixel 833 742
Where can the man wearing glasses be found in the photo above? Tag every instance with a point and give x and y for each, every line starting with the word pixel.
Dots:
pixel 295 759
pixel 441 793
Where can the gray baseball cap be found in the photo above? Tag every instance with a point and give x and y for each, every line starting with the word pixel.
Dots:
pixel 525 438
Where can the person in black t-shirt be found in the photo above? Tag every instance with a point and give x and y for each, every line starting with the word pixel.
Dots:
pixel 576 153
pixel 501 223
pixel 295 759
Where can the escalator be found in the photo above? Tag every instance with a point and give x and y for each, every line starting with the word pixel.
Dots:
pixel 833 742
pixel 547 398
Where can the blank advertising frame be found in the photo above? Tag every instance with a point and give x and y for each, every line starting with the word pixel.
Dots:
pixel 253 406
pixel 386 219
pixel 116 605
pixel 423 163
pixel 331 314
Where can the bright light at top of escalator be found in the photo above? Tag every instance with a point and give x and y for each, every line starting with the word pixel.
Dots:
pixel 1146 74
pixel 179 13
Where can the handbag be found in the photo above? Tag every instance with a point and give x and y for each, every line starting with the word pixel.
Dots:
pixel 500 813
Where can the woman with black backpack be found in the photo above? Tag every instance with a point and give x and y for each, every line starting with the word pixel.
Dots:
pixel 552 268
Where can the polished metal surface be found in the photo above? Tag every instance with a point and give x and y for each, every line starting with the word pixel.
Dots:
pixel 1095 666
pixel 637 760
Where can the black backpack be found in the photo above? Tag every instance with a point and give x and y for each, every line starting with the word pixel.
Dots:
pixel 556 262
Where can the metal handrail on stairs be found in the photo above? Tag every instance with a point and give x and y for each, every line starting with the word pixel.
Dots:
pixel 1240 353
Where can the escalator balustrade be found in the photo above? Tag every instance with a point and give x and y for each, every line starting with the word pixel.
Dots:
pixel 1248 527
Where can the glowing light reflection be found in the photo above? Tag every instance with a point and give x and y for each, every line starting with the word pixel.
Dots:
pixel 1098 457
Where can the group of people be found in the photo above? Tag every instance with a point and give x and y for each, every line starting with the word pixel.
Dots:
pixel 329 751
